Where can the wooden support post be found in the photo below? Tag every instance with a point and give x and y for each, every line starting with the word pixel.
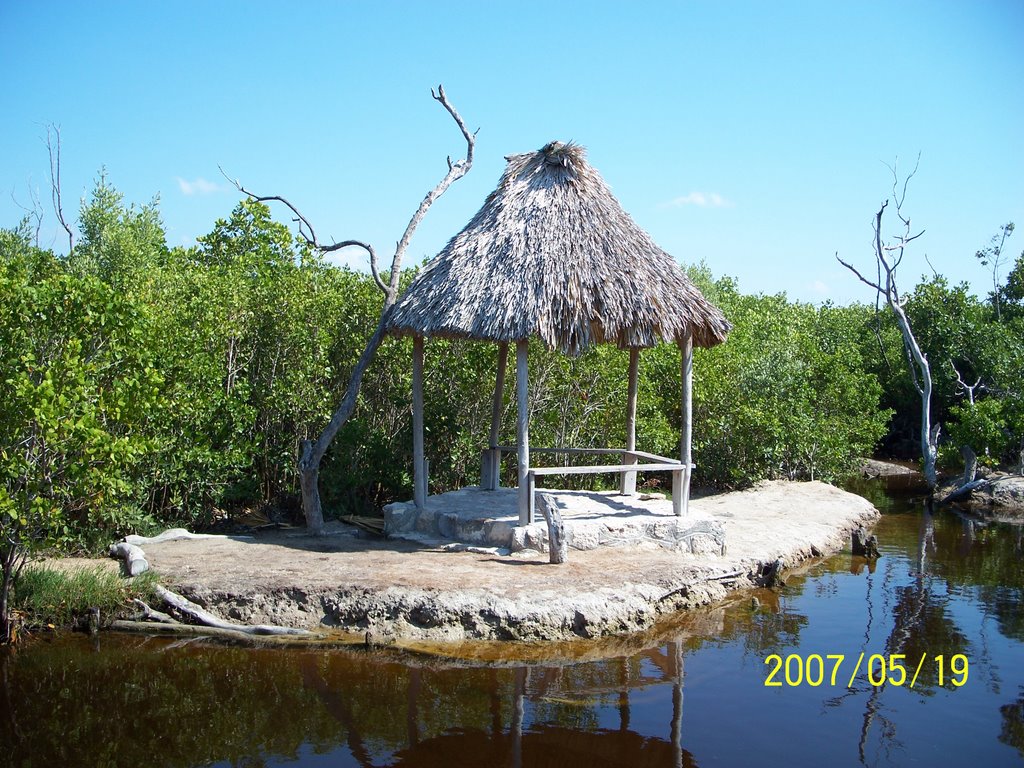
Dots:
pixel 419 480
pixel 493 481
pixel 485 469
pixel 531 496
pixel 627 482
pixel 686 438
pixel 677 493
pixel 523 431
pixel 558 546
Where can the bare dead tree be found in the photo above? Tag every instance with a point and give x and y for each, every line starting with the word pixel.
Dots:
pixel 962 387
pixel 313 451
pixel 53 149
pixel 993 257
pixel 33 212
pixel 888 257
pixel 968 453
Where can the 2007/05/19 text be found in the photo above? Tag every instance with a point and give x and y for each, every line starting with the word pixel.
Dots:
pixel 814 670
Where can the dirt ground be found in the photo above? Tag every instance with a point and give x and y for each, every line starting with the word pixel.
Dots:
pixel 394 590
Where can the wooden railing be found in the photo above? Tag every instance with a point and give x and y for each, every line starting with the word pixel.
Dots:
pixel 490 472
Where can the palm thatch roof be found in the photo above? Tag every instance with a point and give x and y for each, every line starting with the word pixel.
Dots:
pixel 552 253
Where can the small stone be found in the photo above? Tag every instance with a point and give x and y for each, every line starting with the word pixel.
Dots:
pixel 525 554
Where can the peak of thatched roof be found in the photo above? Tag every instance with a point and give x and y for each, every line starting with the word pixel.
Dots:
pixel 551 253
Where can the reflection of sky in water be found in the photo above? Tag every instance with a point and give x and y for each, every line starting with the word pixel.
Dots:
pixel 182 704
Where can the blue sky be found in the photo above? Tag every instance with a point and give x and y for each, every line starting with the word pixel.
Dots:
pixel 750 135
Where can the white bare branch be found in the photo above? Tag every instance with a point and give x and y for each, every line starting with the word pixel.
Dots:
pixel 860 277
pixel 306 231
pixel 312 452
pixel 888 257
pixel 53 149
pixel 962 387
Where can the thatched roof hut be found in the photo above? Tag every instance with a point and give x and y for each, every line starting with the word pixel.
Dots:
pixel 552 253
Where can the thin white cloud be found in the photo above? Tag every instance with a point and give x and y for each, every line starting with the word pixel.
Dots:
pixel 820 288
pixel 700 199
pixel 199 186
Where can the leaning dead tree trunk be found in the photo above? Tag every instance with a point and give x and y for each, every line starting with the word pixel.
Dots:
pixel 888 256
pixel 312 451
pixel 967 451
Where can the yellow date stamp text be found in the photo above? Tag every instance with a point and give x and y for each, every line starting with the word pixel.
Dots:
pixel 836 669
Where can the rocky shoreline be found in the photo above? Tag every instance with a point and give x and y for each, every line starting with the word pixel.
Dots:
pixel 398 592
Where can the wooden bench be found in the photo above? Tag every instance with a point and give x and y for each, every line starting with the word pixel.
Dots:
pixel 490 473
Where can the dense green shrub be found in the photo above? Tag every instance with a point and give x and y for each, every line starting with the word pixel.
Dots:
pixel 78 392
pixel 966 343
pixel 201 369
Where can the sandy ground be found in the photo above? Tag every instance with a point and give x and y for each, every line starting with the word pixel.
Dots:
pixel 395 590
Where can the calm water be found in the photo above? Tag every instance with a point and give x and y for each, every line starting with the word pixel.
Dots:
pixel 695 695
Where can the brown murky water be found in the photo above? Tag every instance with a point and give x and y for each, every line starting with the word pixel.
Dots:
pixel 693 693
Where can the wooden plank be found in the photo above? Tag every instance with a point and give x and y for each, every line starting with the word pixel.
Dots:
pixel 486 472
pixel 654 457
pixel 523 430
pixel 598 469
pixel 531 494
pixel 627 483
pixel 686 438
pixel 514 448
pixel 594 452
pixel 419 481
pixel 499 394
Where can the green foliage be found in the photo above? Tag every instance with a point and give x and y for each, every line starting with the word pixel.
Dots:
pixel 48 595
pixel 143 384
pixel 244 325
pixel 77 385
pixel 1013 292
pixel 118 244
pixel 787 396
pixel 981 425
pixel 960 335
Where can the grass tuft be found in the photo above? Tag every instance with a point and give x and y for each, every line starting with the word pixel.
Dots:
pixel 48 595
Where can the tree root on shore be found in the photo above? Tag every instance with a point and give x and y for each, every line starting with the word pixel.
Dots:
pixel 187 607
pixel 134 563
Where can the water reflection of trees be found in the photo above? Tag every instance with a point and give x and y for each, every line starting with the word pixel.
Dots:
pixel 173 704
pixel 1012 731
pixel 922 625
pixel 987 557
pixel 161 703
pixel 157 702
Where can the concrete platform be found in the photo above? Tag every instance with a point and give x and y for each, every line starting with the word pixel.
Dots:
pixel 411 593
pixel 476 517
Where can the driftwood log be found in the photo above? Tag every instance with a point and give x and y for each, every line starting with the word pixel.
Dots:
pixel 171 534
pixel 197 613
pixel 149 614
pixel 133 559
pixel 966 490
pixel 134 562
